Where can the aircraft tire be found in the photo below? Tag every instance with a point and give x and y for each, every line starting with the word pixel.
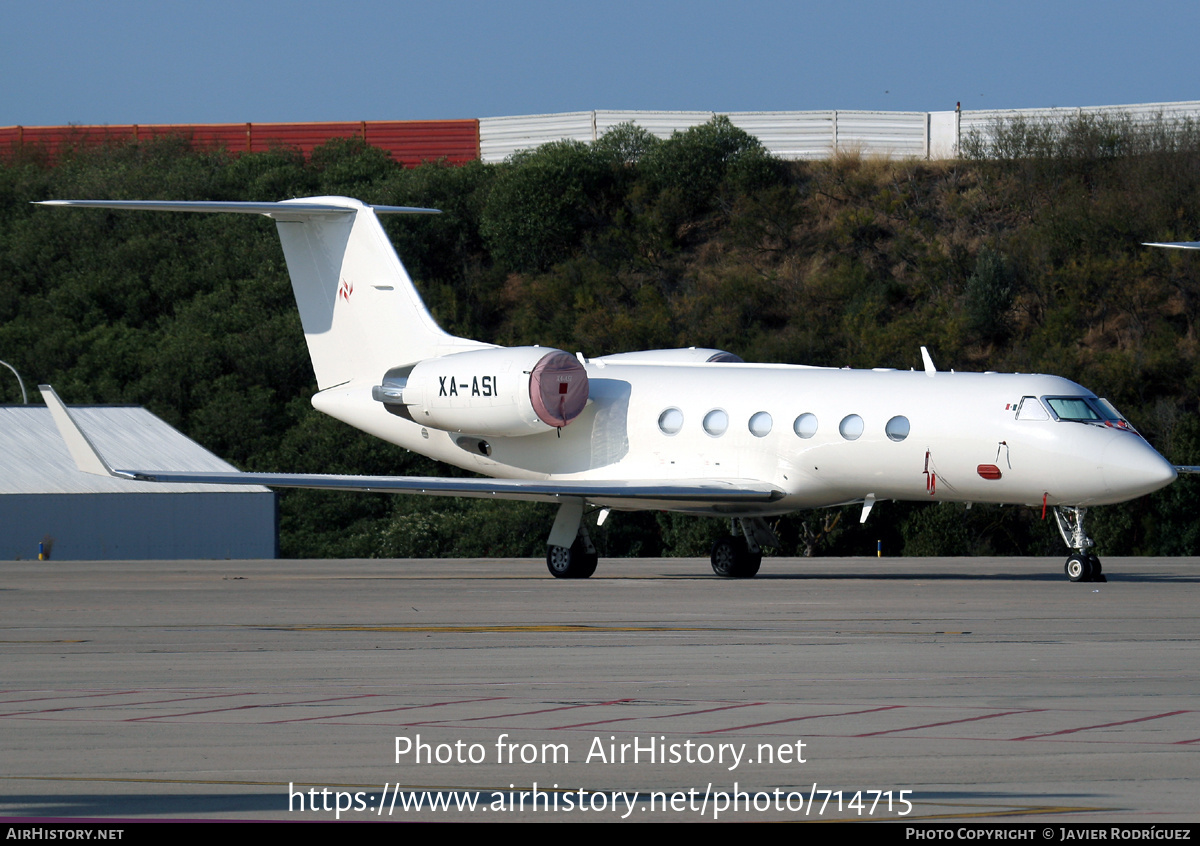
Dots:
pixel 1078 567
pixel 1097 570
pixel 732 560
pixel 571 562
pixel 724 556
pixel 587 564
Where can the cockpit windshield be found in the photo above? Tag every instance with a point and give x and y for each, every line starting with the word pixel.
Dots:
pixel 1073 408
pixel 1087 410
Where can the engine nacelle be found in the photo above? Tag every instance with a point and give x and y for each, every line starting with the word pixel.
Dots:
pixel 501 392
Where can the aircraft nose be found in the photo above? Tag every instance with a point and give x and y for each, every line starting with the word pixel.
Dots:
pixel 1133 468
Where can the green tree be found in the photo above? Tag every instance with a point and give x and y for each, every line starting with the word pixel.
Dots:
pixel 989 296
pixel 542 203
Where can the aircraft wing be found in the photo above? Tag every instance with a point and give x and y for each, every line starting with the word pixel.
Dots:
pixel 269 209
pixel 518 489
pixel 651 492
pixel 1175 245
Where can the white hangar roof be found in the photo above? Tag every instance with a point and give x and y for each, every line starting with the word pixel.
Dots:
pixel 34 458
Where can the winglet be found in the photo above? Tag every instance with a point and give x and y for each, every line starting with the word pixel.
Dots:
pixel 87 457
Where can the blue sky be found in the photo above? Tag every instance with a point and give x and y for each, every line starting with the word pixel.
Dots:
pixel 216 61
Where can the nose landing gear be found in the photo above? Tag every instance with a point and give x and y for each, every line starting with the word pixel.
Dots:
pixel 1082 565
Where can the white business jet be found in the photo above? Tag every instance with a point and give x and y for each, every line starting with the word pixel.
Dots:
pixel 689 430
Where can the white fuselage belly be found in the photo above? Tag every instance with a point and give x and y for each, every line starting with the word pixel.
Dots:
pixel 956 423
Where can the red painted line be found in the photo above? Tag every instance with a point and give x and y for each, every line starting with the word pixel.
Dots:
pixel 525 713
pixel 247 707
pixel 798 719
pixel 116 705
pixel 67 696
pixel 1102 725
pixel 952 722
pixel 658 716
pixel 165 701
pixel 1185 742
pixel 385 710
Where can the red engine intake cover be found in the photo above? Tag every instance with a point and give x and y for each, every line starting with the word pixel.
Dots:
pixel 558 388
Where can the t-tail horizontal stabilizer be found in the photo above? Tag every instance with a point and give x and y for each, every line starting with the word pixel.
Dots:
pixel 281 209
pixel 359 309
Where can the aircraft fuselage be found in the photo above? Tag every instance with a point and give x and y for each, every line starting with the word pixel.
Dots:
pixel 822 436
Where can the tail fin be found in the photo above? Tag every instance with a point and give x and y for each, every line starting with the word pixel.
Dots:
pixel 360 312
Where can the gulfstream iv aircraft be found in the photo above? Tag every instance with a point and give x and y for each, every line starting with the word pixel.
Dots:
pixel 690 430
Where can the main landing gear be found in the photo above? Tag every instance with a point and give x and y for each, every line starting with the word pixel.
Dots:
pixel 575 562
pixel 737 557
pixel 571 555
pixel 1082 565
pixel 569 552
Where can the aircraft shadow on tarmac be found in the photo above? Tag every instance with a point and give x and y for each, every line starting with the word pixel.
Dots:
pixel 1145 578
pixel 136 804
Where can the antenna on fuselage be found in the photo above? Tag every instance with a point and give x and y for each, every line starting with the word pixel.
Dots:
pixel 929 368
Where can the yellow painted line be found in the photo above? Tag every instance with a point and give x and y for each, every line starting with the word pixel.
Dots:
pixel 552 627
pixel 487 629
pixel 464 577
pixel 834 630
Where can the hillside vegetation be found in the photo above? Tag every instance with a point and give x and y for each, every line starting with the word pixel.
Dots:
pixel 1023 256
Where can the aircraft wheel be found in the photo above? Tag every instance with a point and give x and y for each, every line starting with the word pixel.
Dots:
pixel 724 556
pixel 587 564
pixel 1078 567
pixel 732 560
pixel 1097 570
pixel 558 561
pixel 571 563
